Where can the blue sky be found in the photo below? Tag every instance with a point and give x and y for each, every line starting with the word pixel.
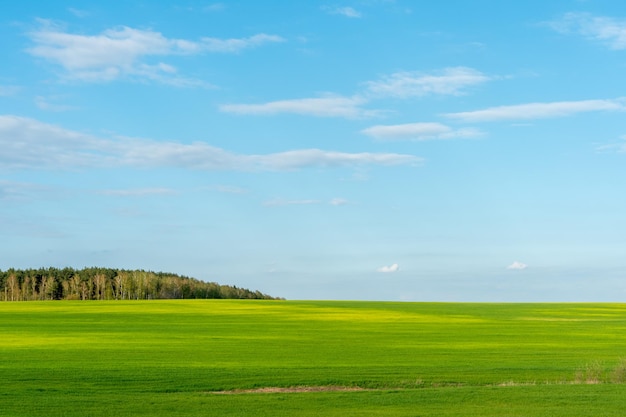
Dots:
pixel 373 149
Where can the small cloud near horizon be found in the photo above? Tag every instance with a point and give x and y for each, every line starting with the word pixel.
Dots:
pixel 518 266
pixel 389 268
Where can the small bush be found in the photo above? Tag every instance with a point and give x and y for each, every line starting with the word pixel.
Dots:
pixel 591 374
pixel 619 372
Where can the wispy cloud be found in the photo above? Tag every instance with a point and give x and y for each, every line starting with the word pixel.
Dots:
pixel 138 192
pixel 419 132
pixel 402 85
pixel 229 189
pixel 389 268
pixel 30 144
pixel 518 266
pixel 614 147
pixel 302 158
pixel 20 191
pixel 237 45
pixel 607 30
pixel 78 13
pixel 282 202
pixel 539 110
pixel 8 190
pixel 8 90
pixel 338 202
pixel 449 81
pixel 343 11
pixel 215 7
pixel 119 52
pixel 325 106
pixel 51 104
pixel 276 202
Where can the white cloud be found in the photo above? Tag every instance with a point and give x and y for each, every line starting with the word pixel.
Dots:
pixel 607 30
pixel 325 106
pixel 296 159
pixel 517 266
pixel 449 81
pixel 27 143
pixel 118 52
pixel 30 144
pixel 539 110
pixel 344 11
pixel 419 132
pixel 388 269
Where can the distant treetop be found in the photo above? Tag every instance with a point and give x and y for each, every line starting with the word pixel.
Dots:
pixel 111 284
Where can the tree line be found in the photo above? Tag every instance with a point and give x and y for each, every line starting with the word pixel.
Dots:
pixel 110 284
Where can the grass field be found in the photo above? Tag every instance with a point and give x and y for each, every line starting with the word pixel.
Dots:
pixel 218 357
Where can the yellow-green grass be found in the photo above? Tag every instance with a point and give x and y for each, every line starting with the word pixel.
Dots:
pixel 163 358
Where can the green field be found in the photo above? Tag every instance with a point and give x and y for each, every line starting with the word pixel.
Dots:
pixel 215 357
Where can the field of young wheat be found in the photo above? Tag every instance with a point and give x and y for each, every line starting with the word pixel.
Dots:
pixel 308 358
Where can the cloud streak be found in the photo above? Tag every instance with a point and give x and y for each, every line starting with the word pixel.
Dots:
pixel 419 132
pixel 614 147
pixel 325 106
pixel 19 191
pixel 138 192
pixel 120 52
pixel 30 144
pixel 539 110
pixel 277 202
pixel 401 85
pixel 50 104
pixel 449 81
pixel 229 189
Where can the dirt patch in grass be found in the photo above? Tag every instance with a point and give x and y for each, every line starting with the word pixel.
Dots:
pixel 289 390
